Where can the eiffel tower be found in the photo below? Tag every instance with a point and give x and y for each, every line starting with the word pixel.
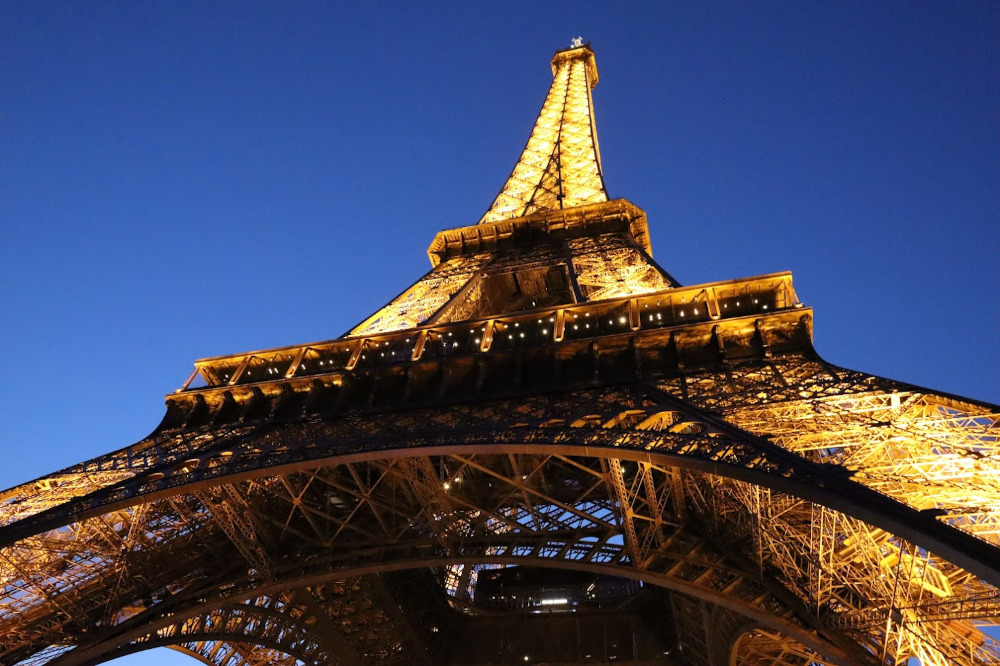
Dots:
pixel 545 450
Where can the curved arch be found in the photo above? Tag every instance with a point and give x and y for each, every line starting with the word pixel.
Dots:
pixel 270 622
pixel 742 458
pixel 240 624
pixel 760 615
pixel 192 650
pixel 194 654
pixel 615 558
pixel 756 646
pixel 707 454
pixel 216 656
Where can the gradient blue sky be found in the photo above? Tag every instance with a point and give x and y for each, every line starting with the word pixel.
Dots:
pixel 183 180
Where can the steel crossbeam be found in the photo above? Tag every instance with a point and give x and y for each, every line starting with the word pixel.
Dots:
pixel 546 396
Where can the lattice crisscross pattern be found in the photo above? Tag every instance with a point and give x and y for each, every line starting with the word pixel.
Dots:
pixel 561 165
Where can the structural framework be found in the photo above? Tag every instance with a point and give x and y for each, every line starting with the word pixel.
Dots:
pixel 545 450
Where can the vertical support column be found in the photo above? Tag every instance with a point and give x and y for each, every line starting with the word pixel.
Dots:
pixel 484 345
pixel 617 475
pixel 634 321
pixel 571 272
pixel 712 303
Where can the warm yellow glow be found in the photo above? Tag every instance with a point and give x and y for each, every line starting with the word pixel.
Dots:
pixel 581 407
pixel 561 165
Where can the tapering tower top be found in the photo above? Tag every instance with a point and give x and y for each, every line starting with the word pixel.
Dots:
pixel 561 165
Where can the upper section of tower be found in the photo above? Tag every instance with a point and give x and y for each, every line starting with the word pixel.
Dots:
pixel 554 276
pixel 561 165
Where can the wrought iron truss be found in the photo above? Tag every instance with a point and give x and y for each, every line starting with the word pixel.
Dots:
pixel 546 396
pixel 561 165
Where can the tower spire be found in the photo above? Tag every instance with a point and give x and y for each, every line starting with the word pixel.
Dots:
pixel 561 165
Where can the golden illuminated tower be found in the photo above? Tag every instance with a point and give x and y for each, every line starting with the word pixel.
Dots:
pixel 678 476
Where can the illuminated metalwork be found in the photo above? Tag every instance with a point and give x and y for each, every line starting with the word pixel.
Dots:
pixel 561 165
pixel 546 396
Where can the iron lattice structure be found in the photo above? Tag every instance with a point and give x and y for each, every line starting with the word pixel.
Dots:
pixel 546 396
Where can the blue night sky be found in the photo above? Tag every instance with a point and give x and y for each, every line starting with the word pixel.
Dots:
pixel 182 180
